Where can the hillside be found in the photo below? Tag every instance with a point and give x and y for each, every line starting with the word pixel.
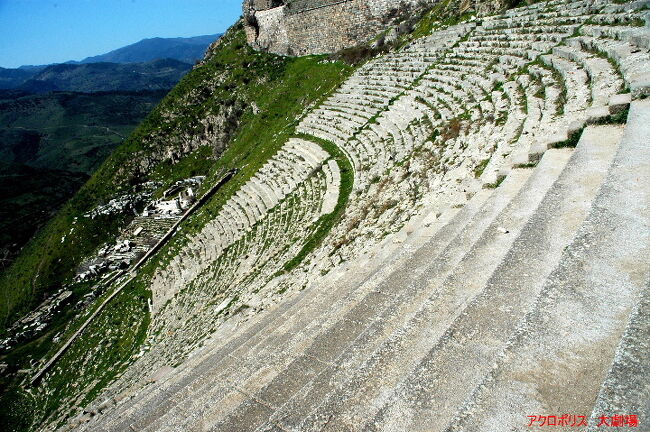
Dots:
pixel 94 77
pixel 12 78
pixel 449 233
pixel 186 50
pixel 29 197
pixel 50 143
pixel 67 130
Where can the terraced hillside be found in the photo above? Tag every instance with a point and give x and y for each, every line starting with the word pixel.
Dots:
pixel 455 239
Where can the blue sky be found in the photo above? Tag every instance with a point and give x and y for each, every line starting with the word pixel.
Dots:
pixel 53 31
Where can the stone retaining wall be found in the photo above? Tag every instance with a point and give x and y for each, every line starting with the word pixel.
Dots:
pixel 320 26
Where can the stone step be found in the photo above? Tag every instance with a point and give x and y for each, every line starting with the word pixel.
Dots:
pixel 345 328
pixel 480 332
pixel 361 392
pixel 585 303
pixel 627 387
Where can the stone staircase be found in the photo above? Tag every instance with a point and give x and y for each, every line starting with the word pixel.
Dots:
pixel 520 292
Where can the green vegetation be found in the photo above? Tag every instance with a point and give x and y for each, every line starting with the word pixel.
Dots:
pixel 621 117
pixel 257 99
pixel 444 14
pixel 618 118
pixel 69 131
pixel 572 141
pixel 29 197
pixel 496 184
pixel 526 165
pixel 478 171
pixel 326 222
pixel 91 362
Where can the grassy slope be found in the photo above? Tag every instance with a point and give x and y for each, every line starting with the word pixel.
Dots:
pixel 281 87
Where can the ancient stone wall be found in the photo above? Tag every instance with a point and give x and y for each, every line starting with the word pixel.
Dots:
pixel 300 27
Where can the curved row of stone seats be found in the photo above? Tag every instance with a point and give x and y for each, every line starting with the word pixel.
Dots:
pixel 544 14
pixel 215 243
pixel 575 83
pixel 630 58
pixel 372 88
pixel 536 40
pixel 389 140
pixel 601 85
pixel 604 81
pixel 220 398
pixel 245 266
pixel 287 169
pixel 333 188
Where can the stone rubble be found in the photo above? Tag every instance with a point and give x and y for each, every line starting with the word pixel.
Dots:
pixel 146 229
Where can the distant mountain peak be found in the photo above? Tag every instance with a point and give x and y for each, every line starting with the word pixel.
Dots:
pixel 179 53
pixel 187 50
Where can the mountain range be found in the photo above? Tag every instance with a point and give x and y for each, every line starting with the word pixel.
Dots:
pixel 187 50
pixel 180 53
pixel 94 77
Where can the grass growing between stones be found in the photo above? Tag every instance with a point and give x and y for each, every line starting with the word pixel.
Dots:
pixel 478 171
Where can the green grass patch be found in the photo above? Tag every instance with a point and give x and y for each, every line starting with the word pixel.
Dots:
pixel 496 184
pixel 618 118
pixel 326 222
pixel 526 165
pixel 572 141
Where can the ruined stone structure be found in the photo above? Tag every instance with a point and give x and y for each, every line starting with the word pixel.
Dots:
pixel 300 27
pixel 492 257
